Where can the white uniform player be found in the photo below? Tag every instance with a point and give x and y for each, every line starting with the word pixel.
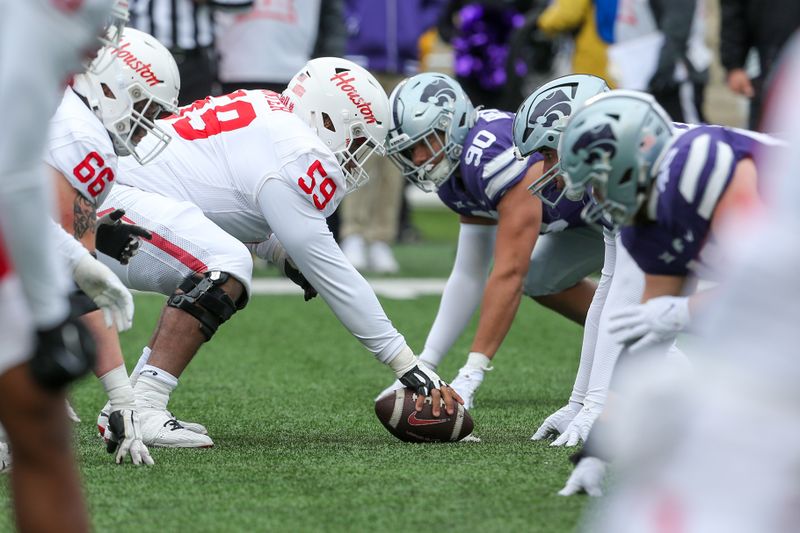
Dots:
pixel 41 43
pixel 244 167
pixel 104 114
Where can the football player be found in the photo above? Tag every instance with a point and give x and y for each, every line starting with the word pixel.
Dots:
pixel 41 43
pixel 103 115
pixel 267 169
pixel 669 189
pixel 540 248
pixel 537 129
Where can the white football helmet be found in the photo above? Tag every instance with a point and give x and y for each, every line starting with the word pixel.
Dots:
pixel 347 107
pixel 140 82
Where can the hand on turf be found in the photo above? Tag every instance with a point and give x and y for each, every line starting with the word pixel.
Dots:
pixel 587 477
pixel 426 382
pixel 125 437
pixel 556 423
pixel 656 321
pixel 117 239
pixel 579 428
pixel 107 291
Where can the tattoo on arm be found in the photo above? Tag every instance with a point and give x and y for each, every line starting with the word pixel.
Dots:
pixel 84 217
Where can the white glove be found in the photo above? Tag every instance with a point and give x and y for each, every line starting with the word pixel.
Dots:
pixel 107 291
pixel 557 422
pixel 587 477
pixel 125 436
pixel 656 321
pixel 579 428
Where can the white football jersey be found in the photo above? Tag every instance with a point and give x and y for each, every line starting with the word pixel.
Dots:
pixel 225 148
pixel 79 147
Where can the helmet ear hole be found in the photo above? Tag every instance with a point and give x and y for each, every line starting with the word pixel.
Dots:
pixel 107 92
pixel 628 176
pixel 327 121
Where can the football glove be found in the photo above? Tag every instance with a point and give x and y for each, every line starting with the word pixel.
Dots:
pixel 556 423
pixel 64 353
pixel 654 322
pixel 422 380
pixel 579 428
pixel 587 477
pixel 107 291
pixel 117 239
pixel 125 437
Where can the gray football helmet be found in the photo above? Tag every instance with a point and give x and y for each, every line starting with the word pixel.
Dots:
pixel 543 116
pixel 612 144
pixel 425 107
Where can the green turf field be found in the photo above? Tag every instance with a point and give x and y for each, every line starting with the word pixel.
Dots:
pixel 287 396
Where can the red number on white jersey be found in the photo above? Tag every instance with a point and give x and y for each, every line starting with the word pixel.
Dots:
pixel 198 121
pixel 87 170
pixel 326 189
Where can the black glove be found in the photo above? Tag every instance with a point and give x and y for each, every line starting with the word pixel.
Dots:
pixel 63 354
pixel 422 380
pixel 299 279
pixel 117 239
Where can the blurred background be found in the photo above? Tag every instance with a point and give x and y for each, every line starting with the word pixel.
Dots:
pixel 499 50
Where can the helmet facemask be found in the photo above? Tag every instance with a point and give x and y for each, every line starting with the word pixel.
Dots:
pixel 144 111
pixel 359 147
pixel 430 174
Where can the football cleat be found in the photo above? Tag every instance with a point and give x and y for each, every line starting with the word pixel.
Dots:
pixel 71 414
pixel 160 429
pixel 391 388
pixel 102 422
pixel 467 382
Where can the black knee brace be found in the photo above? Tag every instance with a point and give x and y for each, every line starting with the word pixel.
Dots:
pixel 203 298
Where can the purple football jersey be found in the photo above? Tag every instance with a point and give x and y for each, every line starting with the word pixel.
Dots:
pixel 691 178
pixel 488 169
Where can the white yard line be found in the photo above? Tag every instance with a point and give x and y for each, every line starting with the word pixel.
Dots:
pixel 397 288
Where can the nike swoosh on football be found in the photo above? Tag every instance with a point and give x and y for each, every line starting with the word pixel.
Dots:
pixel 414 421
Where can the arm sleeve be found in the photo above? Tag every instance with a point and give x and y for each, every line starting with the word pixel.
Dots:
pixel 734 38
pixel 25 217
pixel 305 236
pixel 69 248
pixel 463 291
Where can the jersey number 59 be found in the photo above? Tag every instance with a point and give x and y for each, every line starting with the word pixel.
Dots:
pixel 321 194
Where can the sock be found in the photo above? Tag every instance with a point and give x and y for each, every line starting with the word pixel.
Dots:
pixel 478 361
pixel 118 388
pixel 154 387
pixel 140 364
pixel 430 358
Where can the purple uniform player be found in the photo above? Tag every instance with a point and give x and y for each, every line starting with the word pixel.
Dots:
pixel 443 144
pixel 488 169
pixel 696 170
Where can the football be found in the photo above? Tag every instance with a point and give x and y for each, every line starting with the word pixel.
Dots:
pixel 397 413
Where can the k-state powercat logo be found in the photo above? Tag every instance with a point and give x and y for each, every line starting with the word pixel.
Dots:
pixel 344 81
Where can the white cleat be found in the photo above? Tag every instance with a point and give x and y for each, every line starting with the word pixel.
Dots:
pixel 390 389
pixel 160 429
pixel 102 422
pixel 467 382
pixel 5 458
pixel 71 414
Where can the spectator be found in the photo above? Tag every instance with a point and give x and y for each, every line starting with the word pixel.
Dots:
pixel 264 48
pixel 659 46
pixel 480 33
pixel 186 28
pixel 384 38
pixel 764 26
pixel 590 54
